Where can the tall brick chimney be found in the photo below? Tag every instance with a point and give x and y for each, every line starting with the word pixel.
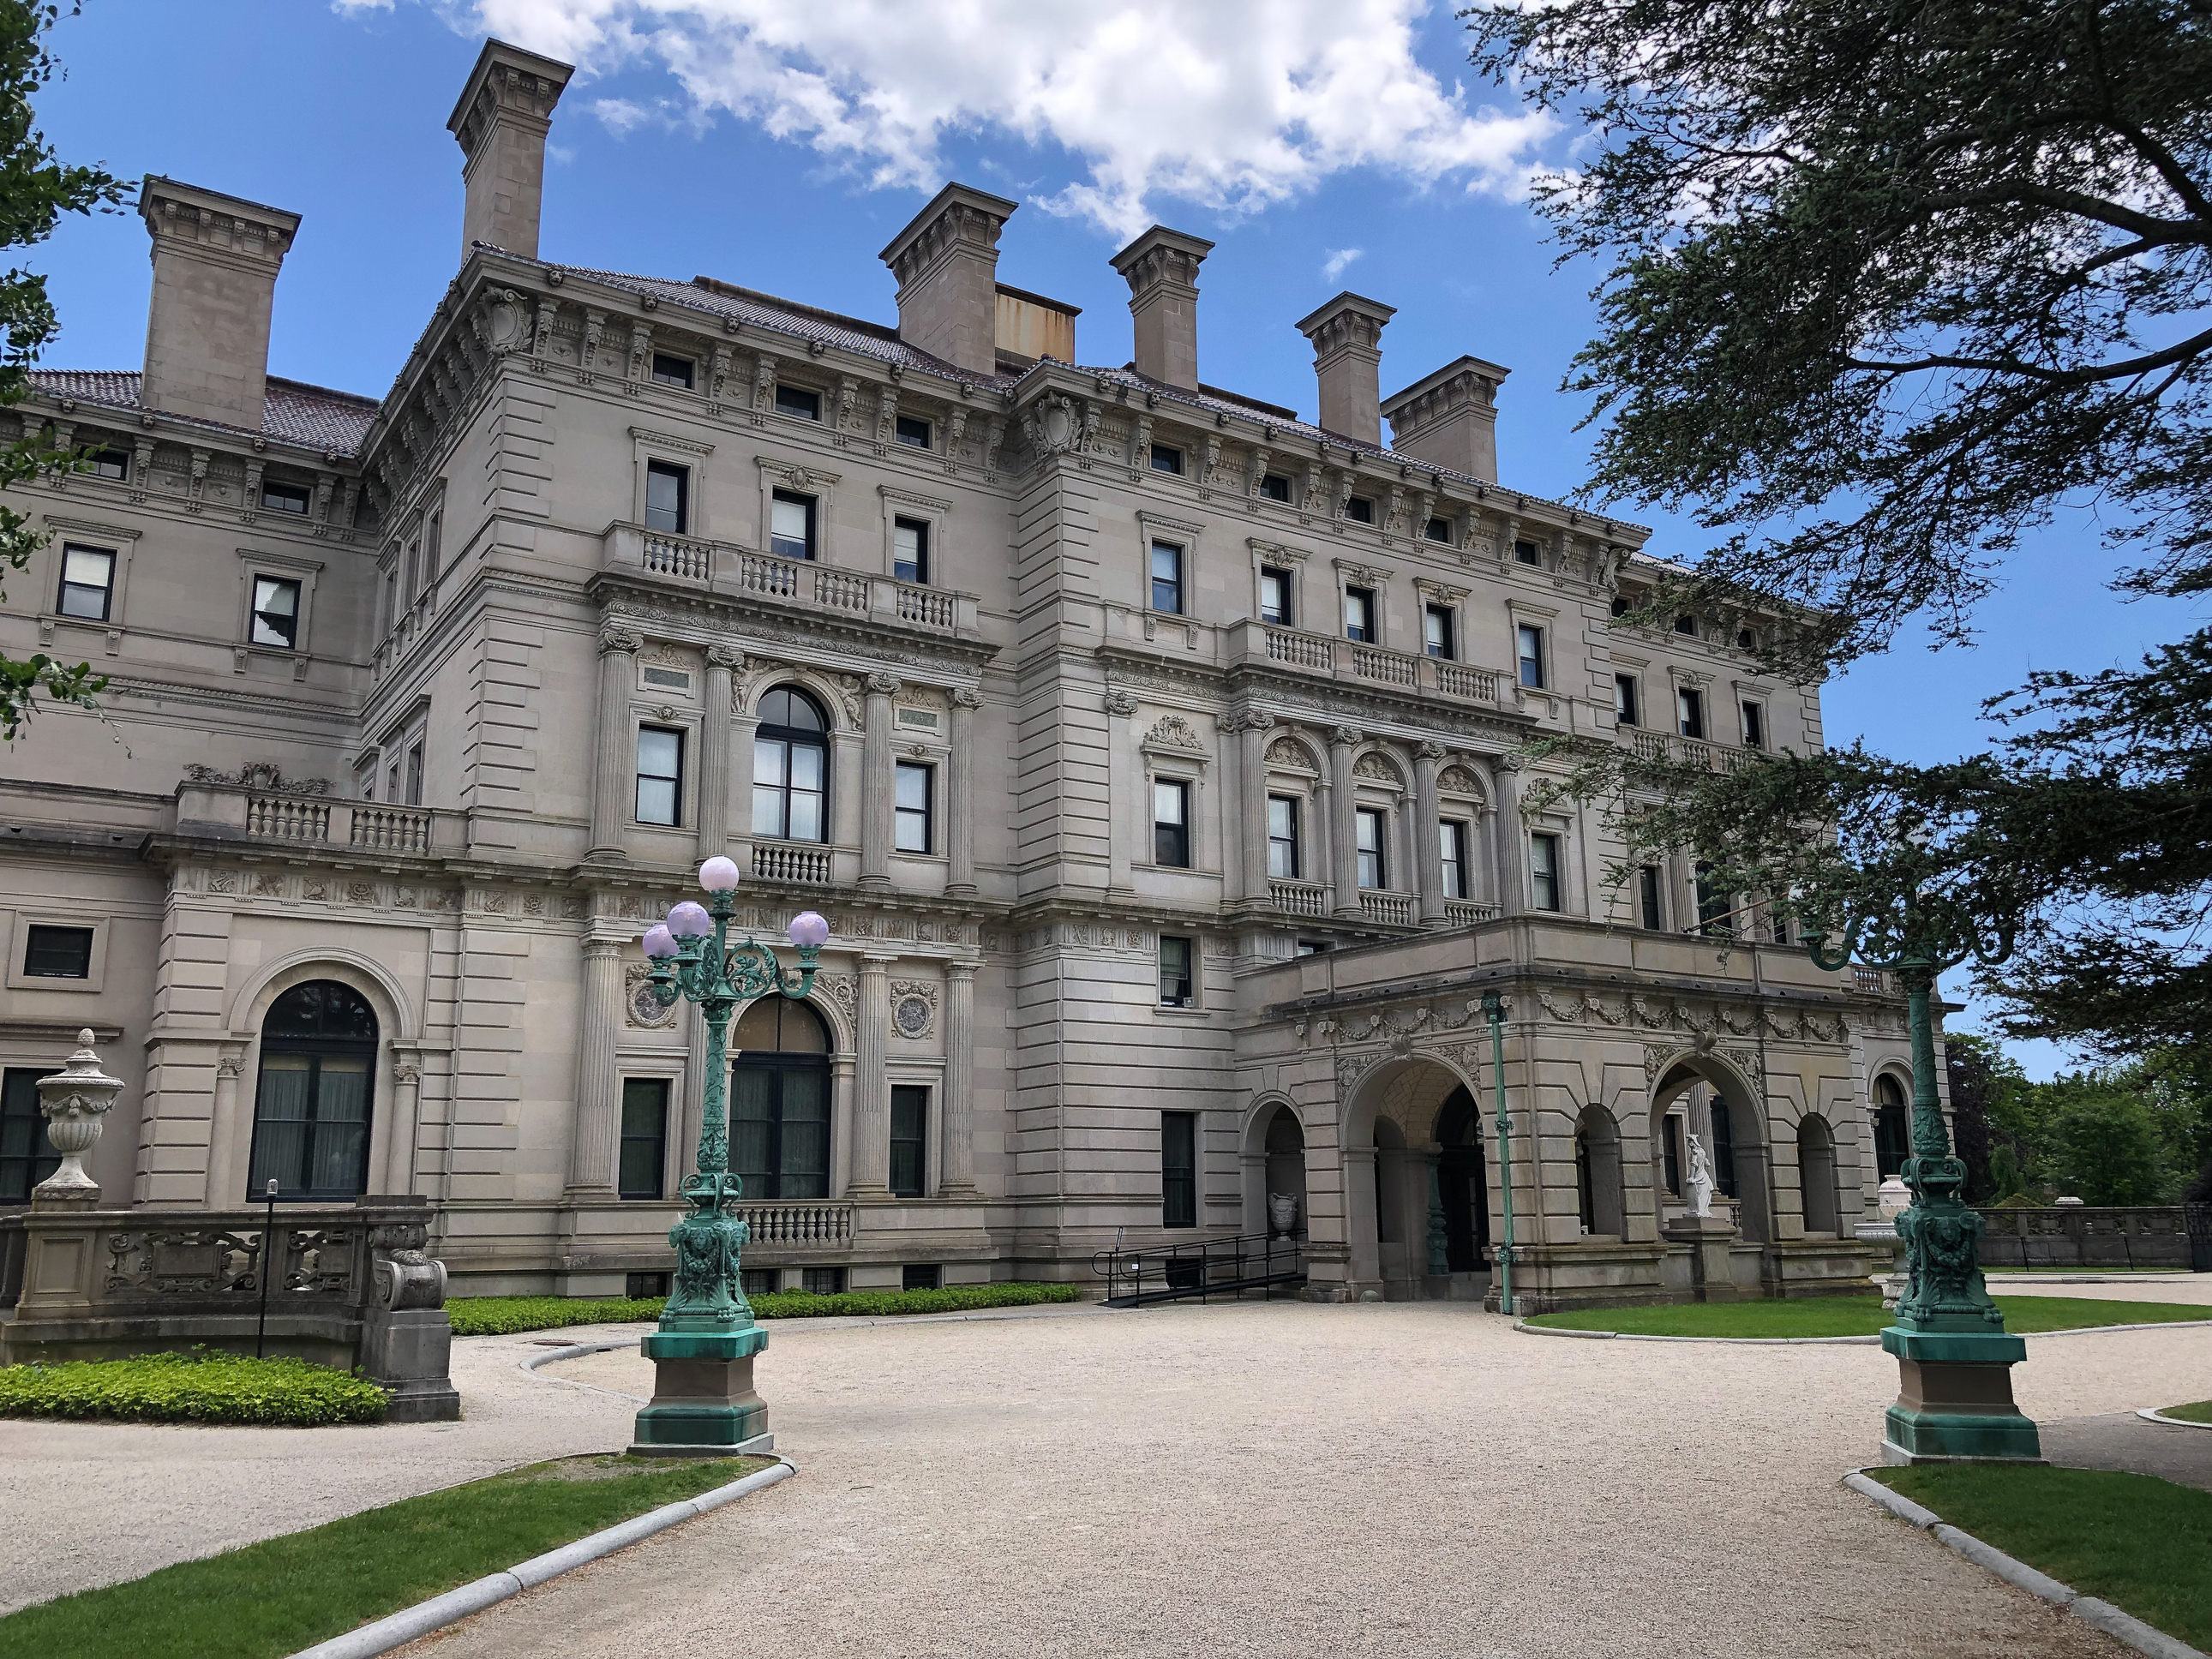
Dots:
pixel 1161 267
pixel 1450 418
pixel 946 261
pixel 1347 341
pixel 215 260
pixel 505 112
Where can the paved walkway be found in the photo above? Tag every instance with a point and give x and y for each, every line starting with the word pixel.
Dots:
pixel 2122 1440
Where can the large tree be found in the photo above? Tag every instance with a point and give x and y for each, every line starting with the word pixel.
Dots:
pixel 1887 288
pixel 36 188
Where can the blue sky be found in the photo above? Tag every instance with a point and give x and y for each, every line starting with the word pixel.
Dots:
pixel 707 138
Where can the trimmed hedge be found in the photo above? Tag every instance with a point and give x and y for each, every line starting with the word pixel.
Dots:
pixel 507 1316
pixel 200 1387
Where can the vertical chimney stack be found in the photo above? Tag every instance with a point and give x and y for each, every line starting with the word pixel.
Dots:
pixel 1161 267
pixel 215 259
pixel 505 113
pixel 1450 418
pixel 1347 341
pixel 946 261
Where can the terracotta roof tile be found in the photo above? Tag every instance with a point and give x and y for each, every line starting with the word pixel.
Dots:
pixel 311 416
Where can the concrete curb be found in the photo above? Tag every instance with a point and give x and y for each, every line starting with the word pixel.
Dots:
pixel 2102 1615
pixel 1863 1341
pixel 455 1605
pixel 2150 1414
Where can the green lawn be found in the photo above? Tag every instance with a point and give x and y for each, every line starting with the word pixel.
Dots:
pixel 273 1598
pixel 2142 1544
pixel 503 1315
pixel 2201 1412
pixel 1853 1315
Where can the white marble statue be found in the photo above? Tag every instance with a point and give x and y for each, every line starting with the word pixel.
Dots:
pixel 1700 1183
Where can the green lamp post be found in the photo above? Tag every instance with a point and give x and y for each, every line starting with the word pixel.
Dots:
pixel 1493 1006
pixel 703 1401
pixel 1955 1357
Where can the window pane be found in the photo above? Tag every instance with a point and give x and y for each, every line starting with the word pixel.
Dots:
pixel 910 550
pixel 807 818
pixel 909 1131
pixel 1178 1169
pixel 1690 703
pixel 914 432
pixel 1275 487
pixel 1357 615
pixel 753 1119
pixel 1543 869
pixel 1454 838
pixel 340 1133
pixel 57 952
pixel 1282 837
pixel 276 612
pixel 796 400
pixel 1167 578
pixel 1532 655
pixel 803 1167
pixel 911 819
pixel 1166 458
pixel 664 491
pixel 26 1157
pixel 86 575
pixel 792 525
pixel 1361 510
pixel 1274 597
pixel 771 761
pixel 1175 971
pixel 1372 871
pixel 809 764
pixel 671 370
pixel 1624 699
pixel 644 1136
pixel 658 751
pixel 1437 632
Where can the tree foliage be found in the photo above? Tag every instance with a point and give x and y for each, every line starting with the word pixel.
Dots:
pixel 36 188
pixel 1887 285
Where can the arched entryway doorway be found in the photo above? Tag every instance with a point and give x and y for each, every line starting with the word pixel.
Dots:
pixel 1699 1101
pixel 1462 1185
pixel 780 1101
pixel 1400 1222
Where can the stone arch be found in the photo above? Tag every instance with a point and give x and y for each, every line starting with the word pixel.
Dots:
pixel 837 1019
pixel 1378 765
pixel 840 704
pixel 1391 1216
pixel 396 1013
pixel 1272 1161
pixel 1736 1134
pixel 1889 1117
pixel 1456 781
pixel 1599 1190
pixel 1816 1177
pixel 1290 751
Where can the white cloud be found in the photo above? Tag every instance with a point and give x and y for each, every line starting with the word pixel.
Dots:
pixel 1229 105
pixel 1339 258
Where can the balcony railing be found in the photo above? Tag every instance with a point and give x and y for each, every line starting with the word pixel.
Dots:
pixel 1687 751
pixel 287 817
pixel 797 1226
pixel 362 828
pixel 1394 909
pixel 783 861
pixel 1297 898
pixel 677 556
pixel 1346 659
pixel 1465 913
pixel 391 828
pixel 724 568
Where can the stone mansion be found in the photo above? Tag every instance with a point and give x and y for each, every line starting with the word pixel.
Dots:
pixel 1152 750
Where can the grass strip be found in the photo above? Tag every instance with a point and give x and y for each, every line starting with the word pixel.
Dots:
pixel 2201 1412
pixel 1854 1316
pixel 199 1386
pixel 505 1315
pixel 266 1599
pixel 2142 1544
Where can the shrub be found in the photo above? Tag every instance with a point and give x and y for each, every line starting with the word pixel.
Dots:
pixel 200 1387
pixel 505 1315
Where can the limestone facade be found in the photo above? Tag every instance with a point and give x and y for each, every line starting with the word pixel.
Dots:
pixel 441 697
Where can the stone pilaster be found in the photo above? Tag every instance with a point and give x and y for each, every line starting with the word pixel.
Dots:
pixel 960 796
pixel 1343 832
pixel 722 662
pixel 876 801
pixel 1512 840
pixel 224 1128
pixel 1428 835
pixel 871 1088
pixel 613 764
pixel 406 1105
pixel 598 1082
pixel 1122 779
pixel 1249 866
pixel 956 1163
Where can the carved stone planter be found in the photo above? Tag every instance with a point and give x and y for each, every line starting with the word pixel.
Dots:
pixel 75 1100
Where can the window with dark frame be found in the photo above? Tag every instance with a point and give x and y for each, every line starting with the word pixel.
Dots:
pixel 918 1276
pixel 284 497
pixel 909 1139
pixel 414 775
pixel 1438 530
pixel 910 550
pixel 1283 837
pixel 910 811
pixel 798 401
pixel 1436 631
pixel 660 775
pixel 275 613
pixel 1544 870
pixel 1360 509
pixel 1529 639
pixel 88 582
pixel 1723 1122
pixel 1778 924
pixel 1754 726
pixel 760 1281
pixel 1360 615
pixel 916 433
pixel 1689 711
pixel 1175 971
pixel 637 1286
pixel 643 1156
pixel 1274 487
pixel 1172 823
pixel 1625 703
pixel 1686 623
pixel 26 1157
pixel 1621 607
pixel 1453 836
pixel 821 1281
pixel 1713 906
pixel 1671 1153
pixel 1178 1169
pixel 1275 597
pixel 313 1103
pixel 112 464
pixel 1369 824
pixel 1648 900
pixel 1893 1136
pixel 57 953
pixel 792 523
pixel 667 498
pixel 1315 947
pixel 671 370
pixel 1528 553
pixel 1166 457
pixel 791 768
pixel 780 1101
pixel 1167 578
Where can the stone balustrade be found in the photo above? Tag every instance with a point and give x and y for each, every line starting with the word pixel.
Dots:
pixel 724 568
pixel 787 860
pixel 1468 913
pixel 1393 910
pixel 234 811
pixel 780 1228
pixel 2085 1235
pixel 1298 898
pixel 1325 656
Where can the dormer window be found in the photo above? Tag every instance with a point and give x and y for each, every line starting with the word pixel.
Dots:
pixel 284 498
pixel 1528 553
pixel 1274 487
pixel 112 464
pixel 1439 530
pixel 798 402
pixel 914 432
pixel 1166 457
pixel 671 370
pixel 1359 509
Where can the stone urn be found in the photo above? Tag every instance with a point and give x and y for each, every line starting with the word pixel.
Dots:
pixel 76 1100
pixel 1282 1214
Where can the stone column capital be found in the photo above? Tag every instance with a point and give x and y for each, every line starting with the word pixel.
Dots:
pixel 958 972
pixel 884 685
pixel 1432 752
pixel 626 642
pixel 1123 703
pixel 1347 736
pixel 725 657
pixel 964 697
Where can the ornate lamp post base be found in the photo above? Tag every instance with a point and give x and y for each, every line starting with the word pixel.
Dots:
pixel 704 1400
pixel 1955 1400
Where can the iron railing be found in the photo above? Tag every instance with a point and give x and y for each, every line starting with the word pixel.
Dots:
pixel 1203 1268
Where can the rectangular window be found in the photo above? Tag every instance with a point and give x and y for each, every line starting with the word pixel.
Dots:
pixel 1455 856
pixel 88 582
pixel 638 1285
pixel 1166 457
pixel 667 498
pixel 112 464
pixel 821 1281
pixel 1713 906
pixel 910 831
pixel 1175 971
pixel 1367 824
pixel 671 370
pixel 284 498
pixel 798 401
pixel 1274 487
pixel 1778 925
pixel 914 432
pixel 1672 1154
pixel 1531 642
pixel 1754 726
pixel 1171 824
pixel 1314 947
pixel 1178 1169
pixel 1275 597
pixel 1359 614
pixel 910 550
pixel 1647 897
pixel 1438 530
pixel 916 1277
pixel 760 1281
pixel 1167 578
pixel 276 612
pixel 415 775
pixel 57 953
pixel 1686 624
pixel 1690 710
pixel 1544 870
pixel 1528 553
pixel 1624 700
pixel 1436 631
pixel 659 775
pixel 644 1136
pixel 910 1134
pixel 791 524
pixel 26 1157
pixel 1283 837
pixel 1359 509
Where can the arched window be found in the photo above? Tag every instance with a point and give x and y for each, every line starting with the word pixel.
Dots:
pixel 1893 1128
pixel 310 1109
pixel 1597 1171
pixel 780 1101
pixel 1816 1170
pixel 791 768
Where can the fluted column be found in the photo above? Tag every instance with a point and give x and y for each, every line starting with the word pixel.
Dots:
pixel 1121 783
pixel 1512 840
pixel 960 796
pixel 722 662
pixel 871 1088
pixel 1250 817
pixel 1343 834
pixel 612 761
pixel 876 782
pixel 223 1128
pixel 598 1085
pixel 406 1097
pixel 1428 835
pixel 958 1160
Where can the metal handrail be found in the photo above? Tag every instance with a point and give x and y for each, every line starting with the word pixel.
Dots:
pixel 1202 1267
